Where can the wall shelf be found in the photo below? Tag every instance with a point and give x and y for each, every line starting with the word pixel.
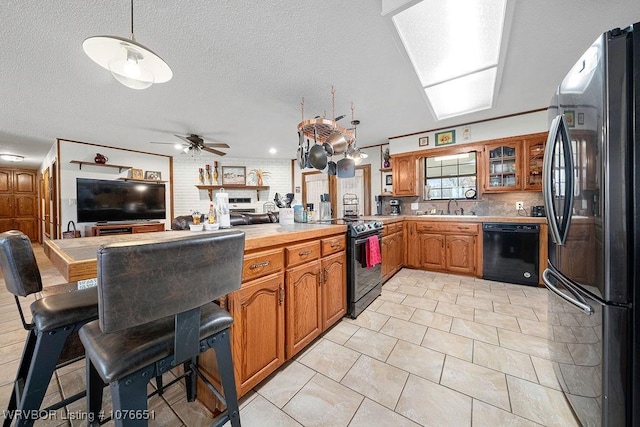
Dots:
pixel 102 165
pixel 141 180
pixel 210 188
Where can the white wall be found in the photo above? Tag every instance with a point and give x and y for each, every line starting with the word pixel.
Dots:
pixel 493 129
pixel 188 198
pixel 86 152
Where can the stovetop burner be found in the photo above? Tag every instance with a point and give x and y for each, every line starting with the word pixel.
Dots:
pixel 359 228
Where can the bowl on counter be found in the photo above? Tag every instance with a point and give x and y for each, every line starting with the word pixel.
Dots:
pixel 211 227
pixel 196 227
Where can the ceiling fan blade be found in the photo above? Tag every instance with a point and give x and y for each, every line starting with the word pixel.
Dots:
pixel 185 139
pixel 216 144
pixel 168 143
pixel 211 150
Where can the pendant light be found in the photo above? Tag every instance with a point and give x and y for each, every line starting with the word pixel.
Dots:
pixel 131 63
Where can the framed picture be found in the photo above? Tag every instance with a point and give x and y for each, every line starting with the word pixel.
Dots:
pixel 153 175
pixel 580 118
pixel 570 116
pixel 136 174
pixel 388 180
pixel 446 138
pixel 424 141
pixel 234 175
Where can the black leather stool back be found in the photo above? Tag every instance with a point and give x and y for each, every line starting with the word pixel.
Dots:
pixel 52 339
pixel 156 312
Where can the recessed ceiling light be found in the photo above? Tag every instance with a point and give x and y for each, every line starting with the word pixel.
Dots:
pixel 272 151
pixel 11 157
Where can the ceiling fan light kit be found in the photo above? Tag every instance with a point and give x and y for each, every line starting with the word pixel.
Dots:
pixel 130 63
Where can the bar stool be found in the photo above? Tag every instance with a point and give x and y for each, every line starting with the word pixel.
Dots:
pixel 156 312
pixel 52 341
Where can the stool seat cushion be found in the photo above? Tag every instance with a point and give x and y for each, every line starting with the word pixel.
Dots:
pixel 120 353
pixel 69 308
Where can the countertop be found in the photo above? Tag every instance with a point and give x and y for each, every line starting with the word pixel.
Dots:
pixel 388 219
pixel 76 258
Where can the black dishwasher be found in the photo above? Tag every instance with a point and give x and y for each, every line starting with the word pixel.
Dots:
pixel 510 252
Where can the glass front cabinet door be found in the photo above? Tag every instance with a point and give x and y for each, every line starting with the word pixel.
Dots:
pixel 503 167
pixel 533 156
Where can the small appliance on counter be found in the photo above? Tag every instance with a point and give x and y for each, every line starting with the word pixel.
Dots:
pixel 537 210
pixel 378 205
pixel 395 206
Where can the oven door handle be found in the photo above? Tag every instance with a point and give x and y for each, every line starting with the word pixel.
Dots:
pixel 366 239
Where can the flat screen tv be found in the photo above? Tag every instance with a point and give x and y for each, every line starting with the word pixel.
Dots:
pixel 119 201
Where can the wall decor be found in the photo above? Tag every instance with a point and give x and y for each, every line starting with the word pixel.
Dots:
pixel 388 180
pixel 580 118
pixel 234 175
pixel 446 138
pixel 153 175
pixel 570 116
pixel 424 141
pixel 136 174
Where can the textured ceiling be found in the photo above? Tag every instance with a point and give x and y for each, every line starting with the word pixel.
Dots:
pixel 241 68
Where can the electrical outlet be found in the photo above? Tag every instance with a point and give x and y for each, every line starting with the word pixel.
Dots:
pixel 519 205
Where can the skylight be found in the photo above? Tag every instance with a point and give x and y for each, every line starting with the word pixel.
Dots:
pixel 454 46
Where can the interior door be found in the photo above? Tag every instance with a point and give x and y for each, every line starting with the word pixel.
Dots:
pixel 47 204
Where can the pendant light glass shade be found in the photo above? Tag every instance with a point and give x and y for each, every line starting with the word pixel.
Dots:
pixel 131 63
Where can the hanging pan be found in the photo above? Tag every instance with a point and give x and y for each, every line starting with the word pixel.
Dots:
pixel 300 157
pixel 331 168
pixel 336 143
pixel 346 168
pixel 317 157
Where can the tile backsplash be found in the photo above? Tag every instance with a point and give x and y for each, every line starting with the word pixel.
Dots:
pixel 502 204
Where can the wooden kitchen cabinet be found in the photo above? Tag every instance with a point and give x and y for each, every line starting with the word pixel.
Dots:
pixel 258 330
pixel 404 175
pixel 303 307
pixel 19 201
pixel 533 155
pixel 502 167
pixel 392 250
pixel 442 246
pixel 334 296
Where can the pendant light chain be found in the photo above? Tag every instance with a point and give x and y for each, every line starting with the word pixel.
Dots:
pixel 132 36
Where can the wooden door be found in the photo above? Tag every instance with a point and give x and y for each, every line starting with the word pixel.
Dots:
pixel 334 290
pixel 18 202
pixel 460 254
pixel 432 251
pixel 303 309
pixel 47 204
pixel 258 330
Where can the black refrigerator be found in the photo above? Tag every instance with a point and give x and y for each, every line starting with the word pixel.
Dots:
pixel 591 188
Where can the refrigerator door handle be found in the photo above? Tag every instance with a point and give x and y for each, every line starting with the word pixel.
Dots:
pixel 558 231
pixel 582 305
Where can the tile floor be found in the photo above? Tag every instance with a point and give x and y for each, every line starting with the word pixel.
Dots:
pixel 432 350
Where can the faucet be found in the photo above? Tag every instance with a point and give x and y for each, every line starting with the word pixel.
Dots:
pixel 449 205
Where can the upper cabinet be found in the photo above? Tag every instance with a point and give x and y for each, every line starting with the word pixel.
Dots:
pixel 404 175
pixel 514 164
pixel 502 171
pixel 533 154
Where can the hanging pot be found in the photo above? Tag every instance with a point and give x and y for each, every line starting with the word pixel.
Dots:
pixel 346 168
pixel 336 143
pixel 306 156
pixel 331 168
pixel 318 157
pixel 300 157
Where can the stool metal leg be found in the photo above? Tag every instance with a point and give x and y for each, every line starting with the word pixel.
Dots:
pixel 36 370
pixel 190 381
pixel 95 386
pixel 222 347
pixel 129 394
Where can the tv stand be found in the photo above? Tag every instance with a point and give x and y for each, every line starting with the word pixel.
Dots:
pixel 107 229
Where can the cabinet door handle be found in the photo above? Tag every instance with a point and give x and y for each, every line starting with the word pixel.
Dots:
pixel 335 244
pixel 280 294
pixel 259 265
pixel 320 278
pixel 326 275
pixel 304 253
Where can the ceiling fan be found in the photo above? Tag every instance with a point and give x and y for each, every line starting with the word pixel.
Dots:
pixel 194 143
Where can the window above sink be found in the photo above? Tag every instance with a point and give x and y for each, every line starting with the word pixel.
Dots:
pixel 450 176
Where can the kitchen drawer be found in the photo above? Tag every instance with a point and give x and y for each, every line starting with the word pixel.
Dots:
pixel 333 245
pixel 448 227
pixel 299 254
pixel 262 263
pixel 392 228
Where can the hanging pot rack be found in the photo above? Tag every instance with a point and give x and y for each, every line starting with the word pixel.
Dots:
pixel 320 128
